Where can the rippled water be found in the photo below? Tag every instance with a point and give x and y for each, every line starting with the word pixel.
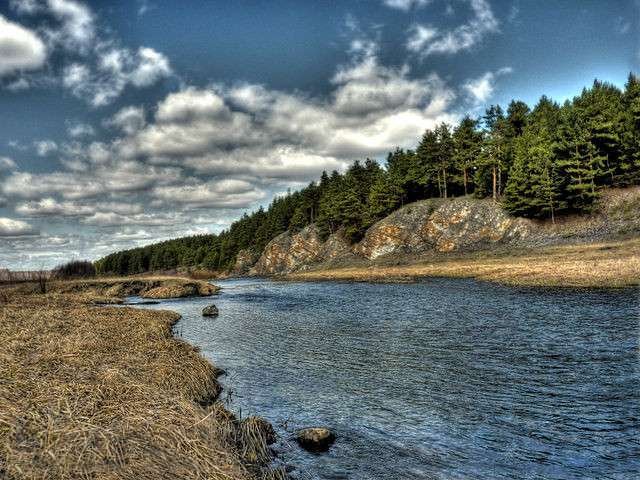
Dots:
pixel 443 379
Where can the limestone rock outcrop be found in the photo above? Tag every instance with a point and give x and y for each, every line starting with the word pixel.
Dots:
pixel 289 252
pixel 245 260
pixel 442 226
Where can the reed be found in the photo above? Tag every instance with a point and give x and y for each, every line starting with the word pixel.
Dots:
pixel 109 393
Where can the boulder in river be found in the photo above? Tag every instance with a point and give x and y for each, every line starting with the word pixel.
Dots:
pixel 315 439
pixel 210 311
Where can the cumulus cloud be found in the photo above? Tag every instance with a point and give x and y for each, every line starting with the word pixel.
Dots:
pixel 427 40
pixel 111 177
pixel 7 163
pixel 20 48
pixel 115 70
pixel 254 130
pixel 77 130
pixel 50 207
pixel 405 5
pixel 226 193
pixel 14 228
pixel 128 119
pixel 45 147
pixel 92 64
pixel 77 30
pixel 480 89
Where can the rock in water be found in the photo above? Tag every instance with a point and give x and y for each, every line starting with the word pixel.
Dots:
pixel 210 311
pixel 315 439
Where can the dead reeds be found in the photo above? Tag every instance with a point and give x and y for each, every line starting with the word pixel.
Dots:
pixel 109 393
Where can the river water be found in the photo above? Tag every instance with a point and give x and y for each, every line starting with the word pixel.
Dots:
pixel 441 379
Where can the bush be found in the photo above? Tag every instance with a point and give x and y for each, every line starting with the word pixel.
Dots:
pixel 75 269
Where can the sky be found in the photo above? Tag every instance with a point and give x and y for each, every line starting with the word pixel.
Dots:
pixel 126 122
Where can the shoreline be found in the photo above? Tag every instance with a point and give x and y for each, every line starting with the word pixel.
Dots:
pixel 608 264
pixel 117 393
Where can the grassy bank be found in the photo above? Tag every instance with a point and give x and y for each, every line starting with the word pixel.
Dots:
pixel 596 265
pixel 113 288
pixel 108 392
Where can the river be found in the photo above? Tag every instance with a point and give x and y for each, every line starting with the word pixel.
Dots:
pixel 440 379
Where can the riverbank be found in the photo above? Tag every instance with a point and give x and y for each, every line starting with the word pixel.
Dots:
pixel 89 391
pixel 611 264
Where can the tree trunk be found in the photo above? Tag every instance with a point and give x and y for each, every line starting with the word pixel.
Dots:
pixel 495 180
pixel 464 179
pixel 444 178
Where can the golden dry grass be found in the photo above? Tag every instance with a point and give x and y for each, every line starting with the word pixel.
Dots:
pixel 120 287
pixel 596 265
pixel 107 393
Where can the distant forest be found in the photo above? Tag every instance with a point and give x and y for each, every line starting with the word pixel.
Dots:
pixel 540 163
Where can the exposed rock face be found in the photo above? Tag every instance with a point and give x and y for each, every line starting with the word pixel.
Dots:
pixel 210 311
pixel 443 226
pixel 446 225
pixel 244 261
pixel 335 248
pixel 315 439
pixel 287 253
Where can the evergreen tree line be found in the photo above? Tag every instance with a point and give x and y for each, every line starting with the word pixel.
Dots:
pixel 538 163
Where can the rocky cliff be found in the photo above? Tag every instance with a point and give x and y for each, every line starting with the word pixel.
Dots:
pixel 442 226
pixel 289 252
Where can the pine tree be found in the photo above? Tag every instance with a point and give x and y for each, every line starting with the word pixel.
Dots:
pixel 444 157
pixel 630 157
pixel 384 197
pixel 535 187
pixel 577 160
pixel 467 145
pixel 494 153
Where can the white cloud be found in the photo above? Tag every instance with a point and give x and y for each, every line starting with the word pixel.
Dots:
pixel 191 104
pixel 151 66
pixel 405 5
pixel 226 193
pixel 427 40
pixel 14 228
pixel 51 207
pixel 25 6
pixel 105 219
pixel 92 64
pixel 116 68
pixel 20 48
pixel 7 163
pixel 128 119
pixel 45 147
pixel 421 35
pixel 77 29
pixel 77 130
pixel 480 89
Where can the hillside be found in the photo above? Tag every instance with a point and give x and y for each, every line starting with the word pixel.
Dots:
pixel 440 229
pixel 461 189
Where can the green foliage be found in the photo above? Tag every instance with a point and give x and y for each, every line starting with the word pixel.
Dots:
pixel 538 163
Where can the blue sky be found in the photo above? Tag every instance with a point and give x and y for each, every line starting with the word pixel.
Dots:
pixel 125 122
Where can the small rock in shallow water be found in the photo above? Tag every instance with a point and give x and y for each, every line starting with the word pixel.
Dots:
pixel 210 311
pixel 315 439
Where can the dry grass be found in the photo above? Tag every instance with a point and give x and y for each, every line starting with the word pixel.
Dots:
pixel 600 265
pixel 108 393
pixel 120 287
